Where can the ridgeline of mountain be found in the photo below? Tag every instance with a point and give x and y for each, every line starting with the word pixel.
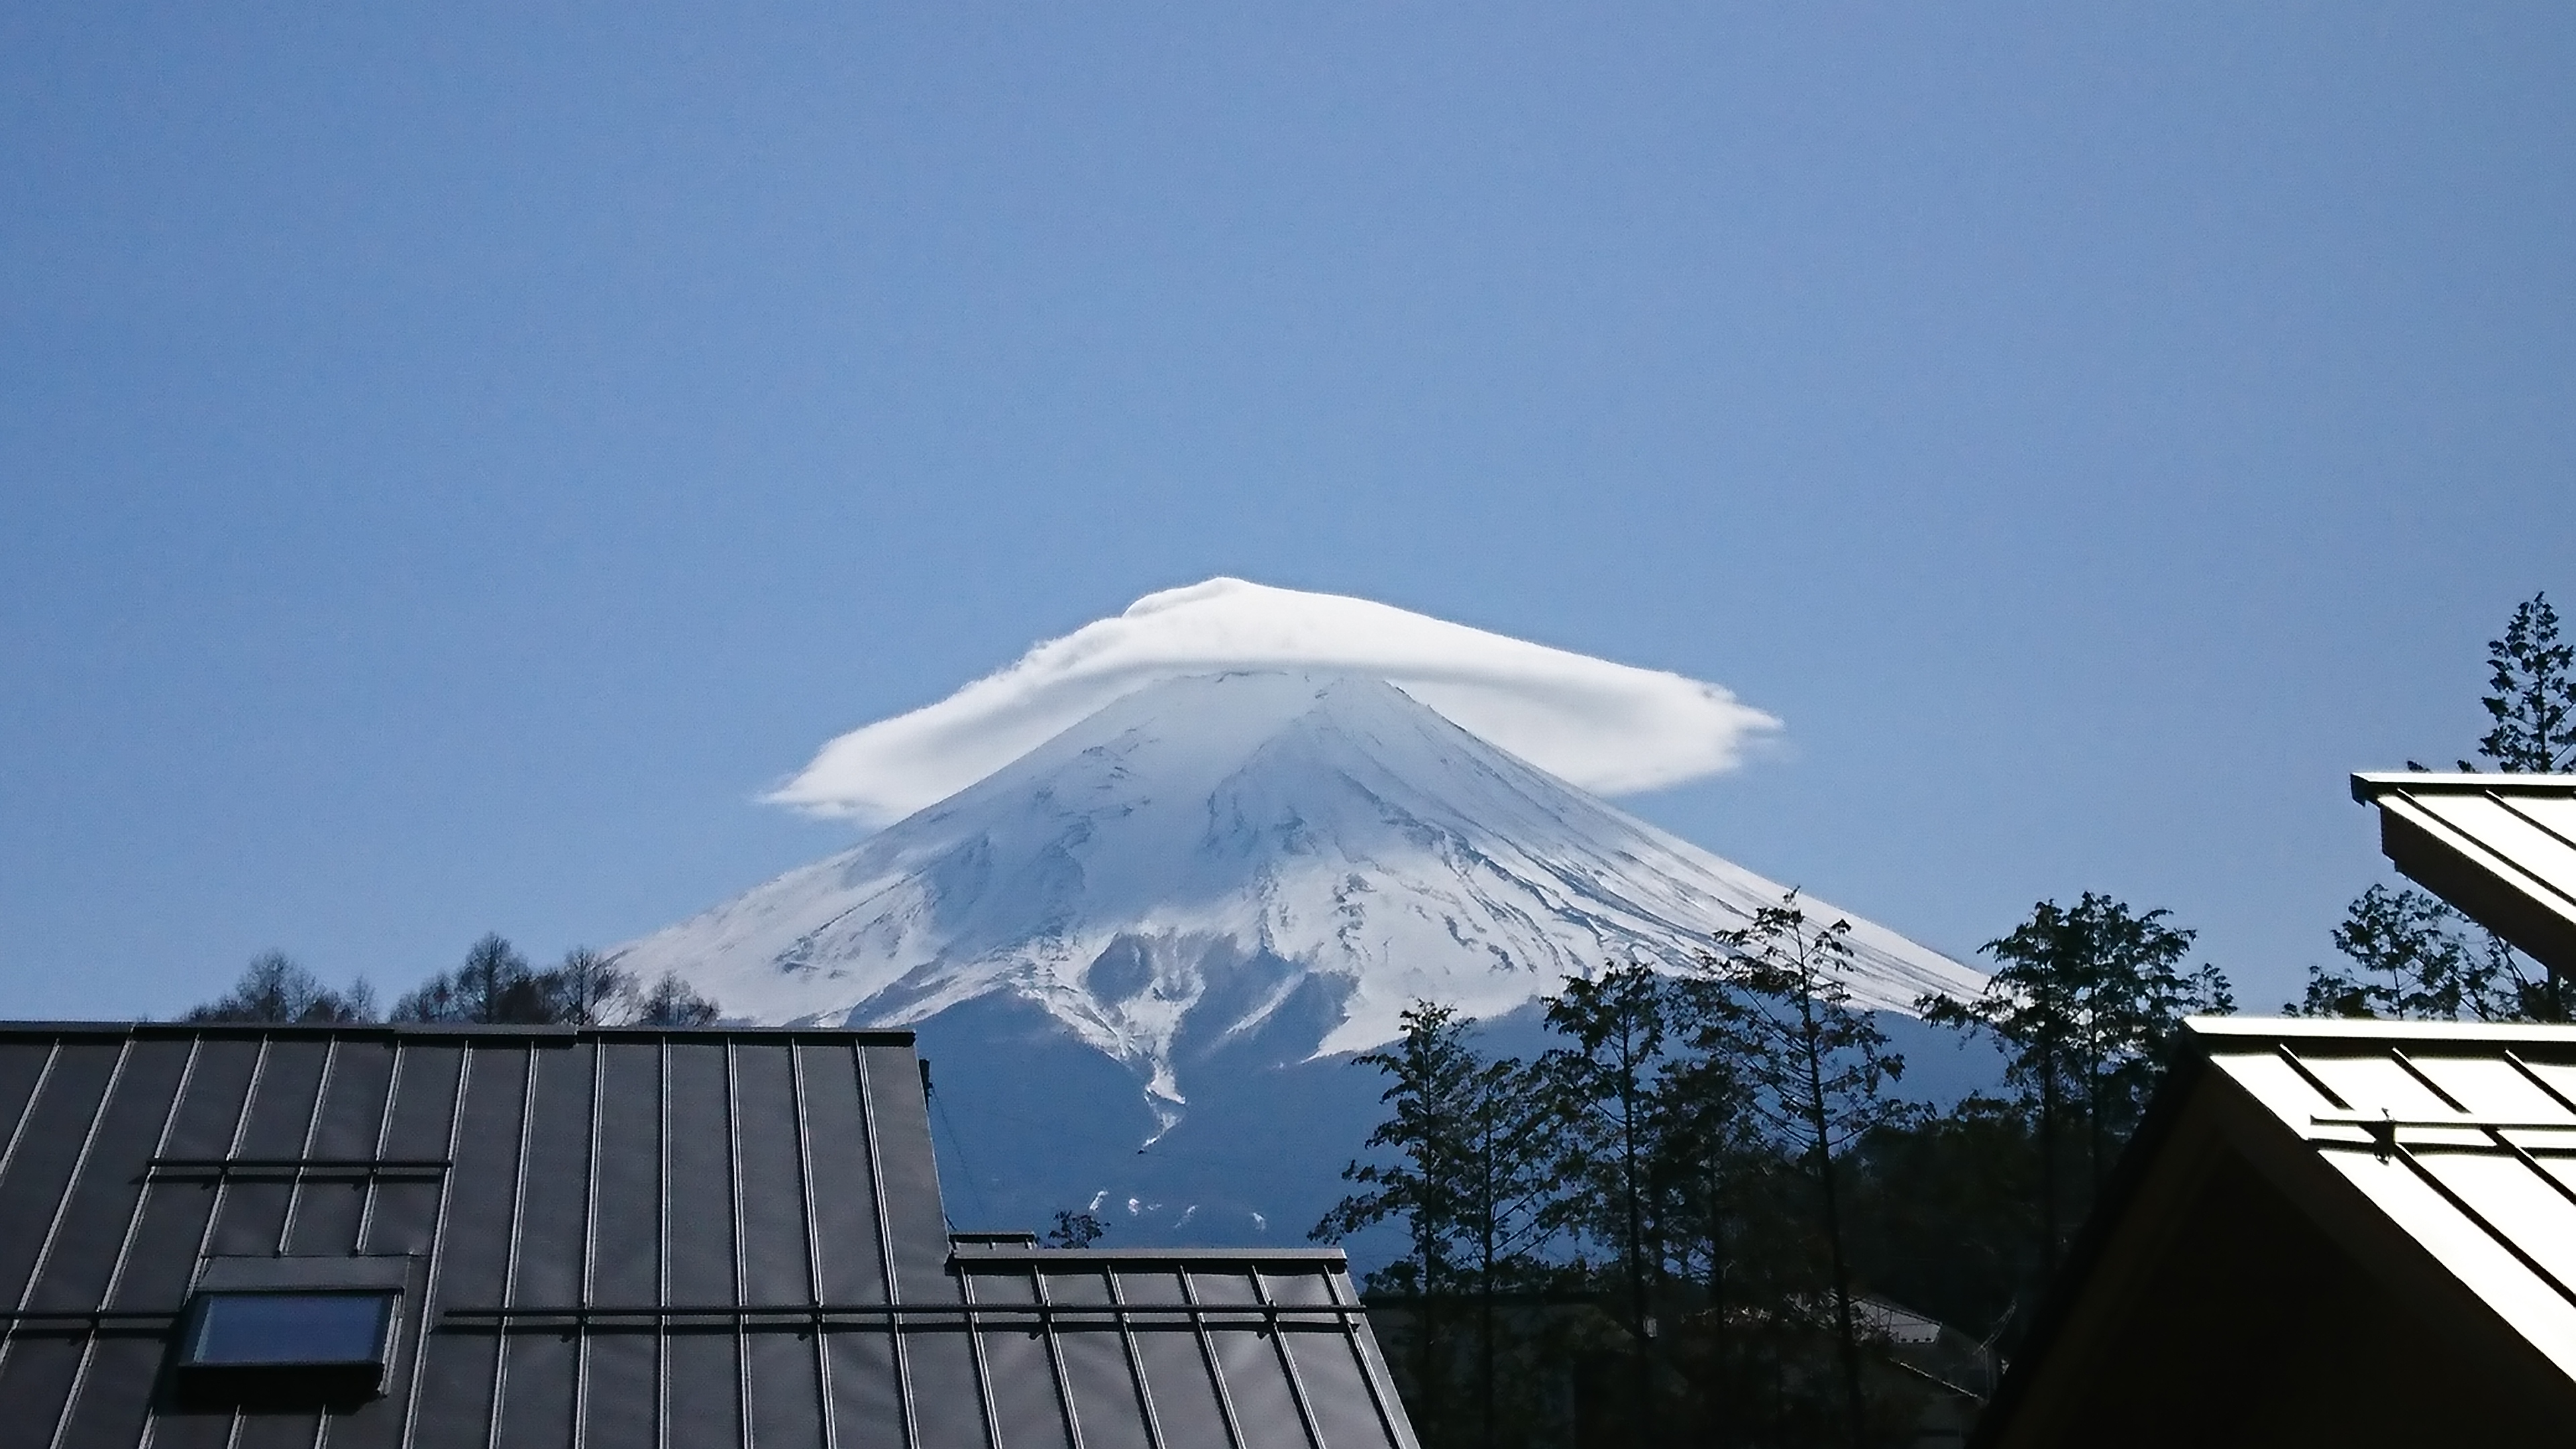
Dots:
pixel 1214 861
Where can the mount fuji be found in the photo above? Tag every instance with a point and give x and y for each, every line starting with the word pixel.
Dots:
pixel 1138 951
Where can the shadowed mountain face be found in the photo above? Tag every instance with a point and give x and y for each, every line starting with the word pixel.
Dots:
pixel 1029 1121
pixel 1207 883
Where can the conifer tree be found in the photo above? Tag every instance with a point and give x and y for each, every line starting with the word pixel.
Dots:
pixel 1468 1178
pixel 1713 1175
pixel 2533 707
pixel 1432 1069
pixel 2410 953
pixel 1601 1087
pixel 1821 1067
pixel 2087 1002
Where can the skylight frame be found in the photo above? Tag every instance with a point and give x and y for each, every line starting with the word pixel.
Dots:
pixel 292 1374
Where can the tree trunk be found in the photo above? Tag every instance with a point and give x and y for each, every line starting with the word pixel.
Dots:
pixel 2048 1168
pixel 1485 1280
pixel 1720 1381
pixel 1644 1419
pixel 1843 1326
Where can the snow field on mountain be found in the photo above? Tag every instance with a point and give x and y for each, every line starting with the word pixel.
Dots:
pixel 1206 853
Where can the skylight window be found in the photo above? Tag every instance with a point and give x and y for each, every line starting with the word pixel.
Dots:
pixel 291 1328
pixel 296 1345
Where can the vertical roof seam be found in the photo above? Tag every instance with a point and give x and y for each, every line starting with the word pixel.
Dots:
pixel 1277 1333
pixel 1208 1355
pixel 2308 1075
pixel 2407 1065
pixel 662 1238
pixel 27 1110
pixel 885 1240
pixel 124 1249
pixel 589 1243
pixel 2469 846
pixel 304 1151
pixel 384 1138
pixel 813 1245
pixel 1135 1358
pixel 1394 1424
pixel 9 1154
pixel 36 1268
pixel 741 1285
pixel 510 1259
pixel 434 1285
pixel 975 1355
pixel 2481 1222
pixel 1055 1354
pixel 2533 1077
pixel 223 1184
pixel 2508 801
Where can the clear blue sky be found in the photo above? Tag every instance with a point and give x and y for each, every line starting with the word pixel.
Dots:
pixel 452 459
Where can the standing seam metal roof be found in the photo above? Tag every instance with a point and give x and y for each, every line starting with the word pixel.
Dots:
pixel 2500 847
pixel 665 1238
pixel 2463 1136
pixel 2439 1158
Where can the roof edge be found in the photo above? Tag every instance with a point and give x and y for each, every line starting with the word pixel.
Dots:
pixel 1014 1253
pixel 2369 785
pixel 2184 1072
pixel 2365 1028
pixel 40 1030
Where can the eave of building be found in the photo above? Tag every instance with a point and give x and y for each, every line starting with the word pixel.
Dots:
pixel 2501 847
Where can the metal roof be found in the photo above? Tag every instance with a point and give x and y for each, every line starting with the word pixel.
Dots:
pixel 2500 847
pixel 624 1237
pixel 2373 1220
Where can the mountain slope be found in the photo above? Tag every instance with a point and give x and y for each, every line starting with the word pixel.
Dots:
pixel 1217 860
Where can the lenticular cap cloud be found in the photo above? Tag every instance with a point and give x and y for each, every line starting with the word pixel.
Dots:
pixel 1610 728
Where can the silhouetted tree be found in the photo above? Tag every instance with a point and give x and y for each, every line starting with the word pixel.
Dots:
pixel 670 1001
pixel 1602 1087
pixel 588 989
pixel 1076 1230
pixel 273 988
pixel 1945 1219
pixel 1820 1066
pixel 2411 954
pixel 2086 1002
pixel 1469 1180
pixel 2533 676
pixel 2411 962
pixel 1423 1183
pixel 493 986
pixel 1504 1204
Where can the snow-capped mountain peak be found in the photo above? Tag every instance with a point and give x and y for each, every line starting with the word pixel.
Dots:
pixel 1232 853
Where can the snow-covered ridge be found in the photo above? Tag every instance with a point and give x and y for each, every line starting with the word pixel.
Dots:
pixel 1227 853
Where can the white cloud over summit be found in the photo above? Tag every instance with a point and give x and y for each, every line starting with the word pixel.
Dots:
pixel 1610 728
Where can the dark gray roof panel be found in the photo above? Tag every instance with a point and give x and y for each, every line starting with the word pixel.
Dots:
pixel 626 1237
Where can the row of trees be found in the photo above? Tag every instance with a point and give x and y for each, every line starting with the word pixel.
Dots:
pixel 1704 1196
pixel 1698 1188
pixel 2409 954
pixel 494 984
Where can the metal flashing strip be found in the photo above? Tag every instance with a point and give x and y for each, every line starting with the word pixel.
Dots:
pixel 97 1318
pixel 297 1169
pixel 553 1318
pixel 975 1248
